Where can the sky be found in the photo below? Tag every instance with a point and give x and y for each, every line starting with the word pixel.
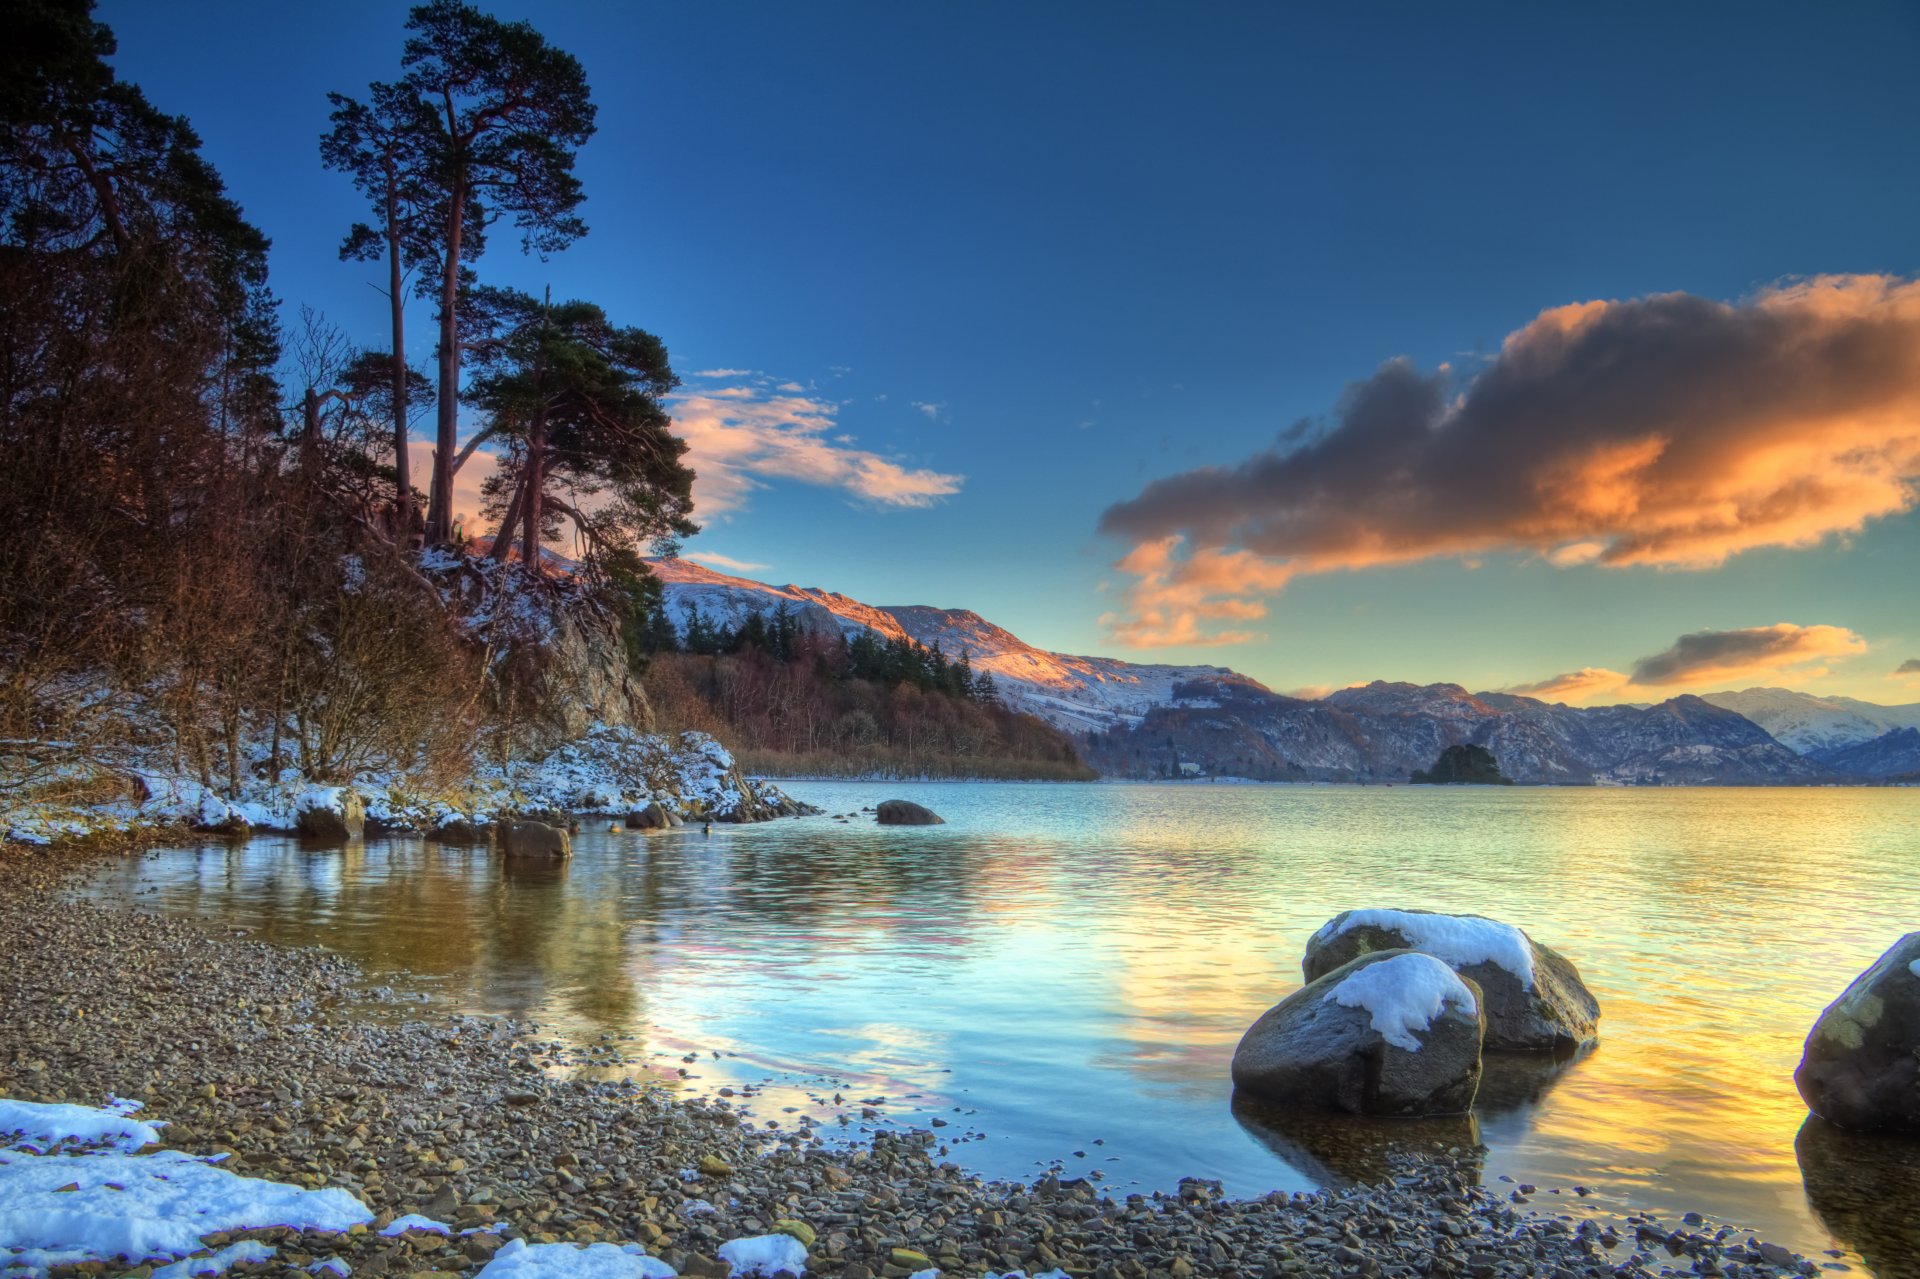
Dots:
pixel 1566 348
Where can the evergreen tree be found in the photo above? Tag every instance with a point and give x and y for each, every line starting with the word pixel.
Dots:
pixel 510 114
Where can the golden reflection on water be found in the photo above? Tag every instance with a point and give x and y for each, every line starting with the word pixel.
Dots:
pixel 1080 961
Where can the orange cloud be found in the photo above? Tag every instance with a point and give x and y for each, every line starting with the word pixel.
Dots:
pixel 1671 431
pixel 1708 658
pixel 740 437
pixel 1175 595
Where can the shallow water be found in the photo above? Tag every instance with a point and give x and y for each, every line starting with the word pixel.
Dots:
pixel 1070 967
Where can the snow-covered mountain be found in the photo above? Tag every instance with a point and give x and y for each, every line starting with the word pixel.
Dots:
pixel 1810 724
pixel 1069 692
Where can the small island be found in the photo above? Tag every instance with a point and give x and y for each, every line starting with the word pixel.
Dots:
pixel 1463 765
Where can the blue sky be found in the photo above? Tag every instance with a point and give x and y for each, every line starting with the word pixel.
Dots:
pixel 1045 255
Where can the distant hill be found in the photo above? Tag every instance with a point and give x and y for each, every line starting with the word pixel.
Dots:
pixel 1810 724
pixel 1151 720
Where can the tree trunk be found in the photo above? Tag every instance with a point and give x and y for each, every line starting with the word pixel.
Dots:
pixel 509 524
pixel 447 408
pixel 535 482
pixel 402 470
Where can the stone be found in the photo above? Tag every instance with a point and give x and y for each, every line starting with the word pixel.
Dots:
pixel 1544 1007
pixel 904 812
pixel 798 1229
pixel 326 825
pixel 714 1166
pixel 652 817
pixel 458 831
pixel 1861 1065
pixel 535 839
pixel 1402 1042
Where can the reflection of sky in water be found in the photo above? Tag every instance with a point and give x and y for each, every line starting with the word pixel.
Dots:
pixel 1072 964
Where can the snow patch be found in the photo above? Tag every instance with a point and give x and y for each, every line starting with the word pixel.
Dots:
pixel 38 1127
pixel 1460 940
pixel 522 1260
pixel 1403 994
pixel 764 1255
pixel 217 1263
pixel 414 1221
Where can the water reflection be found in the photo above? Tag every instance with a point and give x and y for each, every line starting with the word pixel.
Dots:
pixel 1864 1187
pixel 1348 1150
pixel 1068 965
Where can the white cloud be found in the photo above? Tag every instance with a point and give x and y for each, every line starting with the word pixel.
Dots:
pixel 742 437
pixel 716 560
pixel 935 411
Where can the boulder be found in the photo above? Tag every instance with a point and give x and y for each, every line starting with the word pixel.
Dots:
pixel 1861 1066
pixel 904 812
pixel 1395 1032
pixel 458 830
pixel 535 839
pixel 1535 1000
pixel 329 825
pixel 652 817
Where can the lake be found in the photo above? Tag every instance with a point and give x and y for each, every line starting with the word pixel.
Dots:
pixel 1061 973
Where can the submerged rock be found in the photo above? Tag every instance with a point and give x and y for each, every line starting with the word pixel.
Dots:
pixel 1391 1033
pixel 1861 1067
pixel 904 812
pixel 1534 998
pixel 326 823
pixel 535 839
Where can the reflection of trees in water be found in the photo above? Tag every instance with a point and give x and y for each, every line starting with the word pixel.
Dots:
pixel 1865 1189
pixel 1350 1150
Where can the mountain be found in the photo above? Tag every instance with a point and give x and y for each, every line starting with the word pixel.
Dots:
pixel 1895 754
pixel 1144 720
pixel 1810 724
pixel 1072 693
pixel 1385 731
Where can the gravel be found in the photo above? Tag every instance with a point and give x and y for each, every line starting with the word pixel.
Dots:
pixel 281 1057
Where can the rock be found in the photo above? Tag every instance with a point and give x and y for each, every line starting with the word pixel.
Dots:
pixel 903 812
pixel 327 825
pixel 798 1229
pixel 535 839
pixel 458 831
pixel 714 1166
pixel 1861 1066
pixel 1533 996
pixel 652 817
pixel 1391 1033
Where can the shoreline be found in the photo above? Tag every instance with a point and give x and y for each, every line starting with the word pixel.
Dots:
pixel 272 1053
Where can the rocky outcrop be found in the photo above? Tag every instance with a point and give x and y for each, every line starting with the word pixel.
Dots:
pixel 1534 998
pixel 1861 1066
pixel 535 839
pixel 459 830
pixel 652 817
pixel 1391 1033
pixel 340 821
pixel 904 812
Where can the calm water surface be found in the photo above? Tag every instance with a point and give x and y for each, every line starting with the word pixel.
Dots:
pixel 1066 969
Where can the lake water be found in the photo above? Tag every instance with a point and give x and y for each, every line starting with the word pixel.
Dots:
pixel 1061 972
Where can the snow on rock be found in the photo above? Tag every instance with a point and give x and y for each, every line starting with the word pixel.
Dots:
pixel 414 1221
pixel 332 1266
pixel 217 1263
pixel 38 1127
pixel 522 1260
pixel 764 1255
pixel 1403 995
pixel 1460 940
pixel 101 1203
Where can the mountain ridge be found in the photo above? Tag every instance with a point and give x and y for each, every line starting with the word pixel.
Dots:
pixel 1144 719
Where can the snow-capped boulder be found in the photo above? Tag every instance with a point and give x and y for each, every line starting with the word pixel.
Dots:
pixel 458 830
pixel 1535 1000
pixel 652 817
pixel 1391 1033
pixel 535 839
pixel 903 812
pixel 332 817
pixel 1861 1067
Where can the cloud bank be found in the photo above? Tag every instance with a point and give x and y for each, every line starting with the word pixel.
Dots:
pixel 1708 658
pixel 741 437
pixel 1672 431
